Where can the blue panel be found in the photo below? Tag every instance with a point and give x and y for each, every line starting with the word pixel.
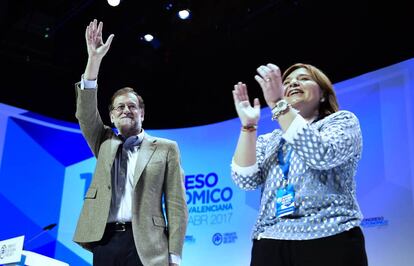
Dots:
pixel 31 179
pixel 67 147
pixel 15 222
pixel 47 249
pixel 50 120
pixel 68 256
pixel 46 168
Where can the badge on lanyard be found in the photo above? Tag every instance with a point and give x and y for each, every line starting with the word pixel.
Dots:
pixel 285 201
pixel 285 196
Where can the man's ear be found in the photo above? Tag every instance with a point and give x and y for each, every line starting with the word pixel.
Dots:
pixel 111 116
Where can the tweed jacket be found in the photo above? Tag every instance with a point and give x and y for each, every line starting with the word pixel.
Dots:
pixel 158 175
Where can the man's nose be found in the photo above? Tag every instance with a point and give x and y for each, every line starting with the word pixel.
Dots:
pixel 126 109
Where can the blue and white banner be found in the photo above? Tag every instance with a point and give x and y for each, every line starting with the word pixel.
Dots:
pixel 46 167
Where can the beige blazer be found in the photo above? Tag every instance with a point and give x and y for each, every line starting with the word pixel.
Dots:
pixel 158 173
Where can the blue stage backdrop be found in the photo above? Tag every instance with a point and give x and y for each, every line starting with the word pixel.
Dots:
pixel 46 167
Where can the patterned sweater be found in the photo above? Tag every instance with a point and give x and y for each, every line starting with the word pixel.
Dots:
pixel 323 164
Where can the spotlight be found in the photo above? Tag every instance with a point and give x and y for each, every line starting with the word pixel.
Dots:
pixel 184 14
pixel 114 2
pixel 46 35
pixel 148 37
pixel 168 6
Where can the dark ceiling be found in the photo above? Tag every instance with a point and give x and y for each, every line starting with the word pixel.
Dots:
pixel 186 77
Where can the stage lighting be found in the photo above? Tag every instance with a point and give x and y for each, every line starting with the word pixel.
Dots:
pixel 114 2
pixel 148 37
pixel 184 14
pixel 168 6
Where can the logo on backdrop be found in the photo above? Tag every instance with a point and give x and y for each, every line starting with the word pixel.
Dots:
pixel 208 202
pixel 225 238
pixel 374 222
pixel 217 239
pixel 204 189
pixel 3 251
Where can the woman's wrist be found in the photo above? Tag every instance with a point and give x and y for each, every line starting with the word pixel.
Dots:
pixel 249 128
pixel 273 104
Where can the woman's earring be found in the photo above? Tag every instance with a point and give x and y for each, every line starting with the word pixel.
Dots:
pixel 322 100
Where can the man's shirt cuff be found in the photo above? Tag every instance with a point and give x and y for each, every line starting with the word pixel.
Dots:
pixel 175 259
pixel 88 84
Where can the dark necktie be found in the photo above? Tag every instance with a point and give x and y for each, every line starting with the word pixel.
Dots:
pixel 123 158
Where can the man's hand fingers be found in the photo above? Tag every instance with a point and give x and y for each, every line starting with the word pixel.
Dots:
pixel 109 41
pixel 99 30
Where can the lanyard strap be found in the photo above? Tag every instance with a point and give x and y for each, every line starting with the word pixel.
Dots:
pixel 284 162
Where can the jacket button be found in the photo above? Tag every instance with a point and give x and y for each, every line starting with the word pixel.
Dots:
pixel 109 187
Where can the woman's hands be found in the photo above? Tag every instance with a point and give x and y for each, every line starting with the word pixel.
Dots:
pixel 249 116
pixel 270 80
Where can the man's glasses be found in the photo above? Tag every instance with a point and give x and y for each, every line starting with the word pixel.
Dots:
pixel 120 108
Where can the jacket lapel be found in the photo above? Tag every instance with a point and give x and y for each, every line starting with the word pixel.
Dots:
pixel 110 160
pixel 145 152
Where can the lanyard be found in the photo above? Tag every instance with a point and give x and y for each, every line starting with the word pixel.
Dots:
pixel 284 162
